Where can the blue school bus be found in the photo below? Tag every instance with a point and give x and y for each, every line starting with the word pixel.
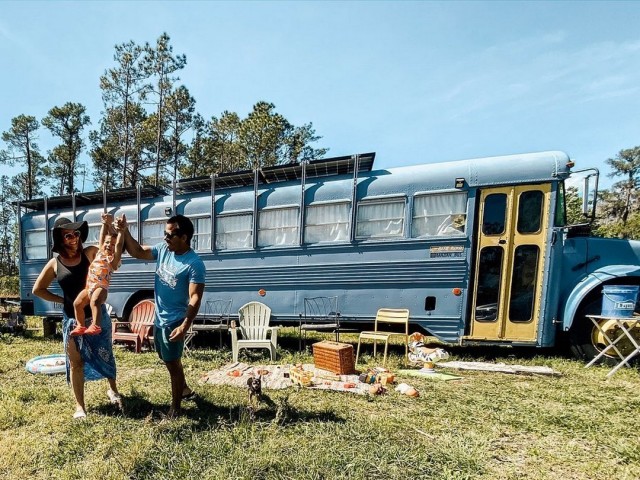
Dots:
pixel 478 250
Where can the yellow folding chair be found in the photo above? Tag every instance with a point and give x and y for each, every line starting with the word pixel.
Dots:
pixel 387 316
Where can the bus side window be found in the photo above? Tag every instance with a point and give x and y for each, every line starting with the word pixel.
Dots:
pixel 379 219
pixel 278 227
pixel 94 234
pixel 35 244
pixel 202 233
pixel 439 215
pixel 234 231
pixel 327 222
pixel 530 206
pixel 153 232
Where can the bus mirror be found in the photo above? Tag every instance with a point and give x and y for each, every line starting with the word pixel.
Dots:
pixel 584 184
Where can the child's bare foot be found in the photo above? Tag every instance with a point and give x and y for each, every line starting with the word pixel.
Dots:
pixel 93 330
pixel 79 330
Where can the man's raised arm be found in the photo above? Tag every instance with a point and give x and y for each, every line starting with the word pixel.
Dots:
pixel 131 244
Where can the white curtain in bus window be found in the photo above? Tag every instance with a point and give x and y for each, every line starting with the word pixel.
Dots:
pixel 380 219
pixel 278 227
pixel 133 230
pixel 202 233
pixel 327 223
pixel 234 231
pixel 153 232
pixel 35 245
pixel 439 215
pixel 94 235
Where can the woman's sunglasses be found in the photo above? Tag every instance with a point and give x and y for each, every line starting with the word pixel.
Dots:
pixel 71 235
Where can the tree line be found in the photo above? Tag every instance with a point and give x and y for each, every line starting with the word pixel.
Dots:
pixel 140 137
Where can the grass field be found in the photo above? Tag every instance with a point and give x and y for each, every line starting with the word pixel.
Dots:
pixel 487 425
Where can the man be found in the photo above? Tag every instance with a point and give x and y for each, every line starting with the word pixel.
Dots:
pixel 179 285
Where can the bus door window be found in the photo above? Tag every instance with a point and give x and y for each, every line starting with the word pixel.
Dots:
pixel 495 214
pixel 488 290
pixel 523 285
pixel 530 211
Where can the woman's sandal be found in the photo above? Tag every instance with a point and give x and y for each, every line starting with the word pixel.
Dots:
pixel 79 415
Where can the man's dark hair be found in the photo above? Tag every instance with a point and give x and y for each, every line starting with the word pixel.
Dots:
pixel 184 225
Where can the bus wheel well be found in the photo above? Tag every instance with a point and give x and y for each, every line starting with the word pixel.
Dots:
pixel 584 337
pixel 135 299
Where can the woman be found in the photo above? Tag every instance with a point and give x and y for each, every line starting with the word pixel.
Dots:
pixel 88 357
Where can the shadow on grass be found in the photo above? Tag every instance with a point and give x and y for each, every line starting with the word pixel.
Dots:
pixel 265 410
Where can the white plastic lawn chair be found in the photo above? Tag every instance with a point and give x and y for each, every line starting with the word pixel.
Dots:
pixel 253 324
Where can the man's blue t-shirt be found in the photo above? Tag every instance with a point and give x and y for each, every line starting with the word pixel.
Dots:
pixel 174 273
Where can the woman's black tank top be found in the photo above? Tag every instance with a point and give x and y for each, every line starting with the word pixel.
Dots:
pixel 72 281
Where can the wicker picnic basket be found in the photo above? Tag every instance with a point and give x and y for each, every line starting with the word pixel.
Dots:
pixel 334 357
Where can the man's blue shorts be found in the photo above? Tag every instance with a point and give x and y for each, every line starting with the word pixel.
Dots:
pixel 167 351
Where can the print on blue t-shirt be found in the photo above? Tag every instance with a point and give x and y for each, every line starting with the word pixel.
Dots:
pixel 174 273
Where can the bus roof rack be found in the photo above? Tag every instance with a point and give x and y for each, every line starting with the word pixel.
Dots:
pixel 93 198
pixel 324 167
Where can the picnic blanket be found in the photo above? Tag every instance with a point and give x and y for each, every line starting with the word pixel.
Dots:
pixel 276 377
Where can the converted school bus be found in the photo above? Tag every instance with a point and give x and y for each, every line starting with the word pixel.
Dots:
pixel 478 250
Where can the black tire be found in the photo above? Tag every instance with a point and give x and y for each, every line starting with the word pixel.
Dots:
pixel 582 332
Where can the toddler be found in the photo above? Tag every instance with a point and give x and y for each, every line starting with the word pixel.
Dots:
pixel 95 293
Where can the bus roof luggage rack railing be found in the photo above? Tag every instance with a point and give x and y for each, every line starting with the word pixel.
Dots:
pixel 320 313
pixel 387 316
pixel 214 319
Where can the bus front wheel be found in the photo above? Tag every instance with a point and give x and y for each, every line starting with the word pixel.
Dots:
pixel 585 340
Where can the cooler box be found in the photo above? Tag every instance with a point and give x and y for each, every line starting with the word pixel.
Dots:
pixel 334 357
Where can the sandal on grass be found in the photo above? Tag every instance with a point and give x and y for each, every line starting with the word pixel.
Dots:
pixel 189 396
pixel 79 415
pixel 114 398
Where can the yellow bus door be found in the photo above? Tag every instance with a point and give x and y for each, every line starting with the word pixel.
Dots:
pixel 511 247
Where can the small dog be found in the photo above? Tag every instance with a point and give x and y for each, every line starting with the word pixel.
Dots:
pixel 254 384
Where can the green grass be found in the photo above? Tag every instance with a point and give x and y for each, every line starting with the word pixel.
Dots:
pixel 487 425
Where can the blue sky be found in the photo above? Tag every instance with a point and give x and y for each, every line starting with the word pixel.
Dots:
pixel 416 82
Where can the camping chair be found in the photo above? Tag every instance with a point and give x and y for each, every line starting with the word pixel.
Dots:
pixel 139 326
pixel 387 316
pixel 253 323
pixel 320 313
pixel 215 319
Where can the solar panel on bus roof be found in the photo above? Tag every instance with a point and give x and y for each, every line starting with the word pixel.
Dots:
pixel 280 173
pixel 323 167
